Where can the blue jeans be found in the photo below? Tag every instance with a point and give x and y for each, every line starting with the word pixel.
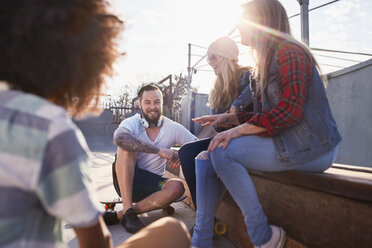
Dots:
pixel 187 154
pixel 227 169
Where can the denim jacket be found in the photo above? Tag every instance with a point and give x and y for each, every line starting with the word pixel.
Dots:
pixel 245 94
pixel 315 135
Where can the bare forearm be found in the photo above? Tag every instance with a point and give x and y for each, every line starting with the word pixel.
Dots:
pixel 128 142
pixel 227 120
pixel 249 129
pixel 97 236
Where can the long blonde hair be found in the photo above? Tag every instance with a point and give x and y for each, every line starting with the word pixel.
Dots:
pixel 272 26
pixel 226 86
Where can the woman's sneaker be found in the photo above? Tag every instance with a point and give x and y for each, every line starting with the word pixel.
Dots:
pixel 277 240
pixel 110 218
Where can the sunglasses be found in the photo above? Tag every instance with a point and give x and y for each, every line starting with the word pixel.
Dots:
pixel 212 58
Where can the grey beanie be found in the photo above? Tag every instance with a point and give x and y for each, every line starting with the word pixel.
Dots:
pixel 224 47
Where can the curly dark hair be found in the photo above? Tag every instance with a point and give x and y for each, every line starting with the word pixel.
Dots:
pixel 58 49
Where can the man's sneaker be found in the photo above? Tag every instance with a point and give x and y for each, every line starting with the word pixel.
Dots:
pixel 131 222
pixel 110 218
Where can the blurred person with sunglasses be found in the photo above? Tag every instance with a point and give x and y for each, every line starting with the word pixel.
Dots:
pixel 230 93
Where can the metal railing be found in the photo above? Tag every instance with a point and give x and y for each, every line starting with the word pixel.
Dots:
pixel 120 113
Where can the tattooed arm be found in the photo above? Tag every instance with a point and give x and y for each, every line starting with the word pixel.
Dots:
pixel 130 143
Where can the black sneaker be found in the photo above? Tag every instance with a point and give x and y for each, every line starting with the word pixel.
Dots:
pixel 131 222
pixel 110 218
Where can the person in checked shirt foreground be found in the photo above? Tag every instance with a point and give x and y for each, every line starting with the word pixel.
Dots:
pixel 55 56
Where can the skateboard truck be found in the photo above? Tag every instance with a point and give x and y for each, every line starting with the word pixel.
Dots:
pixel 110 206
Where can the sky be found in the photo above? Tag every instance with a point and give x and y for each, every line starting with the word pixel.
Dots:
pixel 157 35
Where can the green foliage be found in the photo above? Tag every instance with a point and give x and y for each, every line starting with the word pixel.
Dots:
pixel 173 92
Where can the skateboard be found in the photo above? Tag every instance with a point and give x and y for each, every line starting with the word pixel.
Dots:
pixel 110 205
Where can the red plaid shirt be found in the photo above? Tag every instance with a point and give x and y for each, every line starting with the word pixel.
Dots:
pixel 294 77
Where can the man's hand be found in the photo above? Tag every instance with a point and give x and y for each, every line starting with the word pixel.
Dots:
pixel 171 156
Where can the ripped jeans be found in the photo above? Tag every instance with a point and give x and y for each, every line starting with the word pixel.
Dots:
pixel 227 169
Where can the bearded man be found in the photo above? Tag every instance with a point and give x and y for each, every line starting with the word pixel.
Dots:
pixel 144 141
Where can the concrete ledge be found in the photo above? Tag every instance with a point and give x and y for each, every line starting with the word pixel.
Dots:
pixel 353 182
pixel 330 209
pixel 349 69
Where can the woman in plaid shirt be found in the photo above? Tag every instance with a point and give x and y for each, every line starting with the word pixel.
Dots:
pixel 290 128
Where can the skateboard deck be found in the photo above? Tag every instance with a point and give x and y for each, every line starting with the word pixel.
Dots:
pixel 110 205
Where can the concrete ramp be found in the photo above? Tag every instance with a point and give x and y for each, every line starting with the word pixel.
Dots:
pixel 98 131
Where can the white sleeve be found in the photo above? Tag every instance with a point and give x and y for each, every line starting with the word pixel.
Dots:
pixel 127 125
pixel 183 135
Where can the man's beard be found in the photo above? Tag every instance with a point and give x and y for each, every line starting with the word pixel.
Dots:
pixel 153 120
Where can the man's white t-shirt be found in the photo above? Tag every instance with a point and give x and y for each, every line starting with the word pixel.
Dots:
pixel 171 133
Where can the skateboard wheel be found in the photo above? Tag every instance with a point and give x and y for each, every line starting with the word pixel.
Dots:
pixel 110 207
pixel 220 228
pixel 169 210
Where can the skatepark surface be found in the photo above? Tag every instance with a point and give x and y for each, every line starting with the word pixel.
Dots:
pixel 100 173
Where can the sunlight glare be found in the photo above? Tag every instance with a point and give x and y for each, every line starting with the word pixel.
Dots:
pixel 218 18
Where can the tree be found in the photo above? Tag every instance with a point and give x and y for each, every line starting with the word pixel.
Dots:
pixel 123 106
pixel 173 94
pixel 174 88
pixel 123 100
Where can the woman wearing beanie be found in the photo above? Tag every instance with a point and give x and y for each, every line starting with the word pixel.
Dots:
pixel 291 126
pixel 226 95
pixel 231 78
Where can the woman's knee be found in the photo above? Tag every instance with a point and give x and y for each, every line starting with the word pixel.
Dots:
pixel 186 149
pixel 188 152
pixel 204 155
pixel 183 151
pixel 203 164
pixel 219 160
